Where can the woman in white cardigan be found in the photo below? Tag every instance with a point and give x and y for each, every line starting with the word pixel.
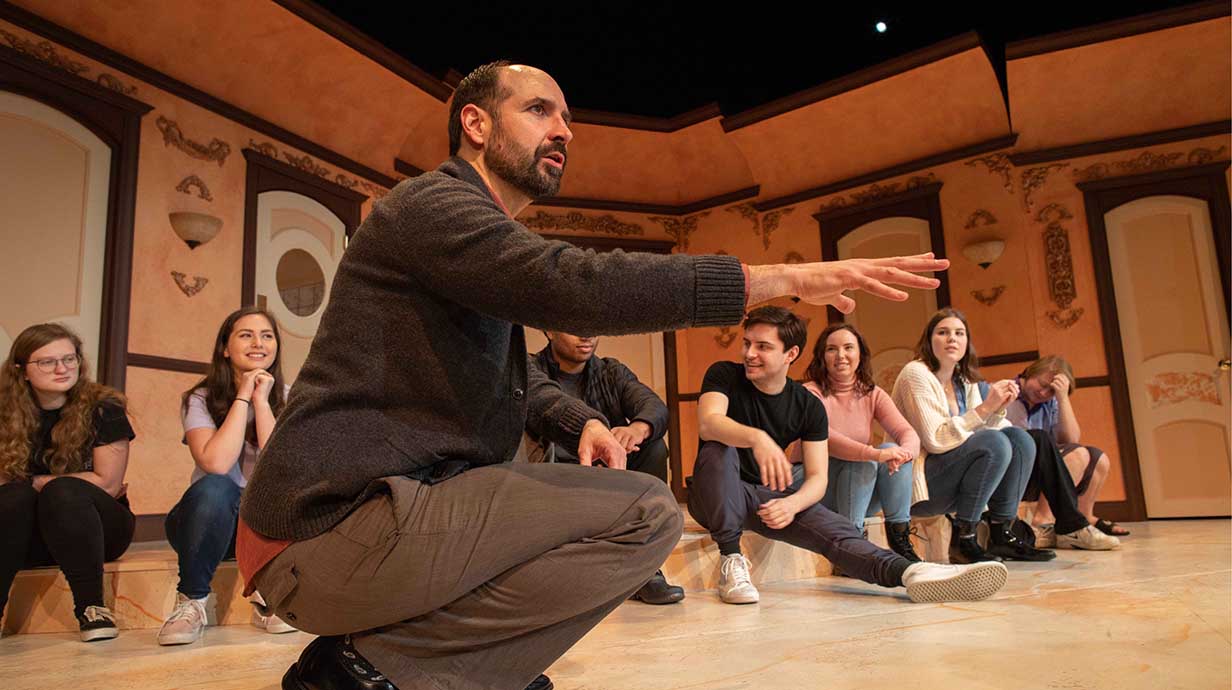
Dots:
pixel 973 457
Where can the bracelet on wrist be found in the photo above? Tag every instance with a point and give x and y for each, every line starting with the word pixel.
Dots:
pixel 244 400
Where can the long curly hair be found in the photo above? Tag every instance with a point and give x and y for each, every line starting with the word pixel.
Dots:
pixel 219 381
pixel 817 368
pixel 73 435
pixel 967 367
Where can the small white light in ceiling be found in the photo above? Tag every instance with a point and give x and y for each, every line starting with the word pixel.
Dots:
pixel 881 27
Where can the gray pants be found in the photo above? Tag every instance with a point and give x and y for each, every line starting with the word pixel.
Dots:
pixel 480 581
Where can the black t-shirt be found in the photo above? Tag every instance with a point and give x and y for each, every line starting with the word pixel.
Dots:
pixel 793 414
pixel 110 425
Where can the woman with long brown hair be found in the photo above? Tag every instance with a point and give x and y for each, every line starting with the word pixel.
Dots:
pixel 864 479
pixel 63 452
pixel 228 416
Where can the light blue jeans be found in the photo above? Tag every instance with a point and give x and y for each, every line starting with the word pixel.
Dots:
pixel 860 489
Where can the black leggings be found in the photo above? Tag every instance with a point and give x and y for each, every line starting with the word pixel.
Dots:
pixel 72 523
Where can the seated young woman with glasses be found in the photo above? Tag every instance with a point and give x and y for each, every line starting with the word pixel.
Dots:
pixel 63 452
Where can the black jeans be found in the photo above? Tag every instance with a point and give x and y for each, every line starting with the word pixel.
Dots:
pixel 726 505
pixel 1051 478
pixel 72 523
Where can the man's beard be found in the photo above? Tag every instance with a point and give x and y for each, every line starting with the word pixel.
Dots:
pixel 515 165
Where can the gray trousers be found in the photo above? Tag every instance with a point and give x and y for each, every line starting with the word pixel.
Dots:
pixel 480 581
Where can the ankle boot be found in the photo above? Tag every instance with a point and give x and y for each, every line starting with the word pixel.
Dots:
pixel 898 534
pixel 964 547
pixel 1003 542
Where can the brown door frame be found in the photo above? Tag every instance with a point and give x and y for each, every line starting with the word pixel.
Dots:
pixel 1206 182
pixel 923 202
pixel 116 119
pixel 266 174
pixel 672 379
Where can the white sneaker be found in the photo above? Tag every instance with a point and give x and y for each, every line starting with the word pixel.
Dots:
pixel 186 623
pixel 265 619
pixel 735 586
pixel 1088 538
pixel 932 582
pixel 1045 536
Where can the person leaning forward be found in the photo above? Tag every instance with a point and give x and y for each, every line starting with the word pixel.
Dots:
pixel 385 514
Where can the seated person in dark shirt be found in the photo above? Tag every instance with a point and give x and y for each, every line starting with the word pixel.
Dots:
pixel 637 415
pixel 748 414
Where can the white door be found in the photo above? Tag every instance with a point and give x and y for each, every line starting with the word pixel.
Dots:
pixel 299 245
pixel 1174 331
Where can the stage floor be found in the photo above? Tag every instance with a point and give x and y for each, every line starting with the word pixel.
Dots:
pixel 1156 614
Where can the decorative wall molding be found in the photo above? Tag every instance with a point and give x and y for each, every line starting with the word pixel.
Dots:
pixel 1059 263
pixel 187 184
pixel 877 191
pixel 1034 178
pixel 574 220
pixel 45 52
pixel 726 336
pixel 979 219
pixel 748 212
pixel 1148 161
pixel 997 164
pixel 109 82
pixel 1173 387
pixel 990 296
pixel 309 165
pixel 216 150
pixel 794 257
pixel 651 209
pixel 680 229
pixel 770 223
pixel 181 281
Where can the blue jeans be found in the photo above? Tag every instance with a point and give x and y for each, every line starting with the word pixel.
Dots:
pixel 201 529
pixel 860 489
pixel 990 468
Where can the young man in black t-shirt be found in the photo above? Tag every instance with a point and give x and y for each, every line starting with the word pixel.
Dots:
pixel 747 416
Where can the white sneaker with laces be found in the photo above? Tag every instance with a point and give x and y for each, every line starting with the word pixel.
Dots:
pixel 735 585
pixel 935 582
pixel 264 618
pixel 186 623
pixel 1088 538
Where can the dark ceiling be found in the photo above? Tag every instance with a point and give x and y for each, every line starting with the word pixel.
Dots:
pixel 665 58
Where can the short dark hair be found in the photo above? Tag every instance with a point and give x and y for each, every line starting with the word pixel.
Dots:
pixel 967 367
pixel 791 328
pixel 481 87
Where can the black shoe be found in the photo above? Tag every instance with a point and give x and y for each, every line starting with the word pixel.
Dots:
pixel 541 683
pixel 332 663
pixel 97 623
pixel 1003 542
pixel 898 534
pixel 655 591
pixel 964 547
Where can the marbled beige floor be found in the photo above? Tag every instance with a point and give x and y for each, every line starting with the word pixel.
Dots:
pixel 1156 614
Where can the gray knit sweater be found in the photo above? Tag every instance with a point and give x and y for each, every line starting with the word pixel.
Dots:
pixel 419 365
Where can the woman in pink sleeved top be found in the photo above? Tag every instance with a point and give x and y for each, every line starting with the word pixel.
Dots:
pixel 864 479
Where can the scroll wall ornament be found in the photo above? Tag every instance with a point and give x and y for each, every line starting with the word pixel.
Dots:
pixel 748 212
pixel 1060 265
pixel 680 229
pixel 878 191
pixel 770 223
pixel 997 164
pixel 793 258
pixel 980 219
pixel 1149 162
pixel 1034 178
pixel 216 150
pixel 44 52
pixel 990 296
pixel 109 82
pixel 606 224
pixel 187 184
pixel 307 164
pixel 726 336
pixel 181 281
pixel 1171 388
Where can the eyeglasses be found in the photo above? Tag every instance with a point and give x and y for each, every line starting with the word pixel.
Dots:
pixel 49 365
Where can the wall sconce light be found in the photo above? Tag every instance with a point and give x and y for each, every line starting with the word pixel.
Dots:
pixel 194 228
pixel 984 253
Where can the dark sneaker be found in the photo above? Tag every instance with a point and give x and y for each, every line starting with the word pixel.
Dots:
pixel 1004 543
pixel 658 591
pixel 541 683
pixel 332 663
pixel 97 623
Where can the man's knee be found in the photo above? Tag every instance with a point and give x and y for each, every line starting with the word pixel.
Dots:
pixel 714 456
pixel 1103 465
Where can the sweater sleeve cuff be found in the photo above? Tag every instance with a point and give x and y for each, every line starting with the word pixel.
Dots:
pixel 574 417
pixel 721 291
